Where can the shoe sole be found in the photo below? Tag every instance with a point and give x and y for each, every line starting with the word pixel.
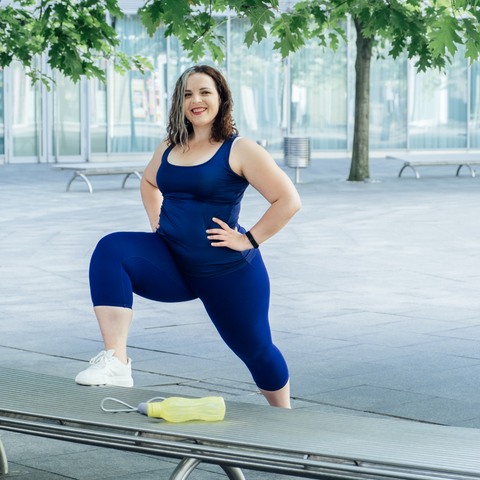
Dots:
pixel 116 381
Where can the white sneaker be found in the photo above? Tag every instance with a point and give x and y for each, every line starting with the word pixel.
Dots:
pixel 106 370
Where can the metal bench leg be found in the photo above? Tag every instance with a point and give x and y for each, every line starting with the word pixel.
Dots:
pixel 187 465
pixel 78 174
pixel 233 473
pixel 128 175
pixel 404 167
pixel 3 461
pixel 472 171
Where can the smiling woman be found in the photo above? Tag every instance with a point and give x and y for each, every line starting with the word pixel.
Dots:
pixel 192 190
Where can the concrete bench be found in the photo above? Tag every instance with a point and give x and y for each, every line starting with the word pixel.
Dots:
pixel 295 442
pixel 84 170
pixel 456 159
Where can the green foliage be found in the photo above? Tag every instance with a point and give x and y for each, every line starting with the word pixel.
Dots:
pixel 73 34
pixel 430 31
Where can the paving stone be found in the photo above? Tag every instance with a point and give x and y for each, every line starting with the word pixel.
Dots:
pixel 374 303
pixel 369 398
pixel 96 463
pixel 438 410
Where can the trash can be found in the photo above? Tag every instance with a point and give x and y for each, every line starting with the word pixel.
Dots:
pixel 296 151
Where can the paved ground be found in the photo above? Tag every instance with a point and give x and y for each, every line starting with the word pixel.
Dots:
pixel 375 304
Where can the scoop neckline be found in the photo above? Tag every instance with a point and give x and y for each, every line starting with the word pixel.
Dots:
pixel 198 164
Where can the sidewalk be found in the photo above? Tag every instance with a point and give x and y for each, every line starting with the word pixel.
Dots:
pixel 375 304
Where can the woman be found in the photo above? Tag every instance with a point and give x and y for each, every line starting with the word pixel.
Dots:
pixel 196 180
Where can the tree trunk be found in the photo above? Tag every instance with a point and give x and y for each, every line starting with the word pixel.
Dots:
pixel 359 169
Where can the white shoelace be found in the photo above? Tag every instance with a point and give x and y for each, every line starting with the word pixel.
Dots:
pixel 102 356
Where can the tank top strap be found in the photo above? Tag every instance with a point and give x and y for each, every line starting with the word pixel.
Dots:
pixel 227 147
pixel 166 152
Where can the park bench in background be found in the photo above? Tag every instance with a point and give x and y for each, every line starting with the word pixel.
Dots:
pixel 296 442
pixel 455 159
pixel 84 170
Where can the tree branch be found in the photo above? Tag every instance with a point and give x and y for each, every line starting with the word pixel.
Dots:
pixel 208 27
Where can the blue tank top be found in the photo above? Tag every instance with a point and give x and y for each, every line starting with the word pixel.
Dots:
pixel 192 196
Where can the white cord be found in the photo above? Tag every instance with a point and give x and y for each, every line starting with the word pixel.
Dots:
pixel 129 409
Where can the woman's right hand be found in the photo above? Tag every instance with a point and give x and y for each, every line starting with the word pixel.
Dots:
pixel 155 225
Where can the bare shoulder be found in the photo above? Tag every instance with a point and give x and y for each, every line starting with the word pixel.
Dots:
pixel 150 172
pixel 245 153
pixel 245 146
pixel 157 156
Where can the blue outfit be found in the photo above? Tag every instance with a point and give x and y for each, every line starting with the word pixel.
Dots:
pixel 178 264
pixel 192 196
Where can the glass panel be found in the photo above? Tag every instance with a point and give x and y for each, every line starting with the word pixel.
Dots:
pixel 438 106
pixel 2 115
pixel 25 113
pixel 474 126
pixel 67 124
pixel 139 105
pixel 319 95
pixel 351 58
pixel 388 101
pixel 256 81
pixel 98 113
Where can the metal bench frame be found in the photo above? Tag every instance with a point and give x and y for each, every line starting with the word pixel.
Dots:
pixel 291 442
pixel 3 461
pixel 429 162
pixel 84 170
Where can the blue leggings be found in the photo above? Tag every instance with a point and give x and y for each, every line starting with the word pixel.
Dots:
pixel 237 303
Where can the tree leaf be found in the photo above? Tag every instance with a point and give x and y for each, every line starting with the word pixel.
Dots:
pixel 444 35
pixel 333 41
pixel 113 8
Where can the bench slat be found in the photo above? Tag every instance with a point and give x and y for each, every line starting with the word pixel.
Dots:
pixel 101 166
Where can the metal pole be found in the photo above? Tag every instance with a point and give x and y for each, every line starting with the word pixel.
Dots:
pixel 85 144
pixel 168 74
pixel 469 79
pixel 44 125
pixel 3 461
pixel 349 113
pixel 7 112
pixel 108 94
pixel 408 104
pixel 57 121
pixel 288 85
pixel 228 48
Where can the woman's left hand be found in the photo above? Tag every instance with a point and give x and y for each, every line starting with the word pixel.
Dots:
pixel 228 237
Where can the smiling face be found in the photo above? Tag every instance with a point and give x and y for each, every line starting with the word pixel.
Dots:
pixel 202 100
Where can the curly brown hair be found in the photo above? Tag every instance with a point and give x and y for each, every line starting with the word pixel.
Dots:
pixel 179 128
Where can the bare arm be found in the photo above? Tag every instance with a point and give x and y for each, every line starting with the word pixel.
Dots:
pixel 151 196
pixel 257 166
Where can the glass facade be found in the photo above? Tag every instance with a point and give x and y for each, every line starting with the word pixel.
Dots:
pixel 25 114
pixel 2 115
pixel 138 102
pixel 438 106
pixel 474 120
pixel 98 114
pixel 67 119
pixel 312 93
pixel 256 79
pixel 388 101
pixel 318 98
